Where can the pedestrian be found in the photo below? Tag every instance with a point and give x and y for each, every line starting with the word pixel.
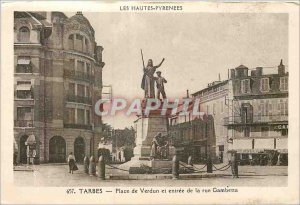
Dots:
pixel 234 165
pixel 72 162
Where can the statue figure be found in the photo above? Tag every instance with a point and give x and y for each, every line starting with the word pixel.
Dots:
pixel 148 79
pixel 159 147
pixel 160 81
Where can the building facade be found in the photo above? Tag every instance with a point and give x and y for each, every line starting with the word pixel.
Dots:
pixel 204 135
pixel 58 79
pixel 258 121
pixel 247 113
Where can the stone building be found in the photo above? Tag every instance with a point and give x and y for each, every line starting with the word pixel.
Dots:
pixel 245 113
pixel 205 135
pixel 213 103
pixel 58 79
pixel 258 122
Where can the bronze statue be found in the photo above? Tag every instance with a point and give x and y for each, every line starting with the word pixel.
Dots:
pixel 160 81
pixel 159 147
pixel 148 79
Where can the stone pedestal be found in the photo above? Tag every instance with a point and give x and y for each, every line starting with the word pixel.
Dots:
pixel 146 128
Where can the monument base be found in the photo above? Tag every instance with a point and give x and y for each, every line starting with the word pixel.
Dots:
pixel 146 166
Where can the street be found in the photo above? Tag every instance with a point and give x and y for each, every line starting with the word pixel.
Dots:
pixel 57 175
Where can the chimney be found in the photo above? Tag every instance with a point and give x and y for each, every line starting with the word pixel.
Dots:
pixel 219 77
pixel 281 68
pixel 187 94
pixel 259 71
pixel 232 73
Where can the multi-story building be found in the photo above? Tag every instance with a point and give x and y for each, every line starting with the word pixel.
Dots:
pixel 58 79
pixel 213 103
pixel 258 121
pixel 246 113
pixel 205 135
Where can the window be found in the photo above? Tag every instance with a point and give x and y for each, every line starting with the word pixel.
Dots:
pixel 79 42
pixel 88 117
pixel 247 132
pixel 80 66
pixel 265 108
pixel 24 90
pixel 283 107
pixel 71 88
pixel 88 69
pixel 283 84
pixel 264 85
pixel 245 86
pixel 80 116
pixel 24 113
pixel 72 65
pixel 207 109
pixel 80 90
pixel 86 45
pixel 71 42
pixel 71 115
pixel 24 34
pixel 264 131
pixel 88 91
pixel 24 65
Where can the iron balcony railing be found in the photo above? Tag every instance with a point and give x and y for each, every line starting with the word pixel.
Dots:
pixel 79 99
pixel 23 123
pixel 78 126
pixel 78 75
pixel 232 120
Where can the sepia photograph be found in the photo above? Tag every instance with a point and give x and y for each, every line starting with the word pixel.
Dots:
pixel 150 96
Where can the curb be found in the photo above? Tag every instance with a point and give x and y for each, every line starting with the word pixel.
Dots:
pixel 155 177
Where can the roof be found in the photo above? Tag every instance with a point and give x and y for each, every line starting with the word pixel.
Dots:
pixel 212 86
pixel 82 20
pixel 241 67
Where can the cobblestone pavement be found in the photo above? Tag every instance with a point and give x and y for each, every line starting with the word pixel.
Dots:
pixel 57 175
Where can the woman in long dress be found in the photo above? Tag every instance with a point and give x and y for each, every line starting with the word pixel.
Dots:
pixel 71 161
pixel 148 78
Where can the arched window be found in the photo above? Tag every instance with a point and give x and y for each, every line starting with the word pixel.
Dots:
pixel 79 42
pixel 86 46
pixel 24 34
pixel 71 42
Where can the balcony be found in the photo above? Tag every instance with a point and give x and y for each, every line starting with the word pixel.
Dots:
pixel 78 75
pixel 256 119
pixel 23 123
pixel 79 99
pixel 78 126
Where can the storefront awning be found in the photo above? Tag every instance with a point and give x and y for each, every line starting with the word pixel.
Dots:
pixel 249 151
pixel 24 87
pixel 283 151
pixel 23 61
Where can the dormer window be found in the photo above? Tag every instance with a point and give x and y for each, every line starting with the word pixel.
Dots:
pixel 283 84
pixel 264 85
pixel 24 34
pixel 245 86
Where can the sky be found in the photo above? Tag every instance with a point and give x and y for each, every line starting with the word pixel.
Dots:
pixel 196 47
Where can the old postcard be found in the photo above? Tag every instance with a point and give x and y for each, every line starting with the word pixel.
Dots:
pixel 150 103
